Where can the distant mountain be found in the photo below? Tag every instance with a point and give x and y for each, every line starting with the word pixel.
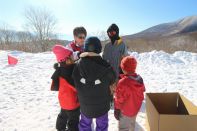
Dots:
pixel 185 25
pixel 181 32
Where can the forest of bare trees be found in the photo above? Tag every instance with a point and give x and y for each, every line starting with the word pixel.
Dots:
pixel 38 35
pixel 168 44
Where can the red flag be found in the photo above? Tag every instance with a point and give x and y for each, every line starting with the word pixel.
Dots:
pixel 12 60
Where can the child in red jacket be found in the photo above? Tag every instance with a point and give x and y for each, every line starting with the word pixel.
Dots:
pixel 62 81
pixel 128 95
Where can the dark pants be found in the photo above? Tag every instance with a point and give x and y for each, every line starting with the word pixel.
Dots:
pixel 68 119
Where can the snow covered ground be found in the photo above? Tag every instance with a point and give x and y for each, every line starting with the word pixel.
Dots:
pixel 27 104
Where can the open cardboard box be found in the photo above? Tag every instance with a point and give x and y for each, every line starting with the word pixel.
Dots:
pixel 170 112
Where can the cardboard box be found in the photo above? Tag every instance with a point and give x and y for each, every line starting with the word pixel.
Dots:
pixel 170 112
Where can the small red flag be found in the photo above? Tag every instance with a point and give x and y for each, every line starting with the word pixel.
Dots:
pixel 12 60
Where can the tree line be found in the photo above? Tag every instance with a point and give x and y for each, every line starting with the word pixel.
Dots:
pixel 39 27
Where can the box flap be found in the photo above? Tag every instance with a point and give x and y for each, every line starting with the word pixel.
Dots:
pixel 191 108
pixel 147 127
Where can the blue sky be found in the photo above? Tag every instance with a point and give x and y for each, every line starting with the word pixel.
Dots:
pixel 131 16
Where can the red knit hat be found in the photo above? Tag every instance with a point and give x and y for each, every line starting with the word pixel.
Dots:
pixel 129 64
pixel 61 53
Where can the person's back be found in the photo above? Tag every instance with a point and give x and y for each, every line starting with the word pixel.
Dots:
pixel 93 80
pixel 128 95
pixel 132 88
pixel 93 77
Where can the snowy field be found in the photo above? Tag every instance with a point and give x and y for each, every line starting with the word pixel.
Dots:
pixel 27 104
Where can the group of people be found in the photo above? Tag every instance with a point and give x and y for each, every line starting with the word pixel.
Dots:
pixel 87 83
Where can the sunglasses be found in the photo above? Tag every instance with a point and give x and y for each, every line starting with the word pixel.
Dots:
pixel 111 33
pixel 81 37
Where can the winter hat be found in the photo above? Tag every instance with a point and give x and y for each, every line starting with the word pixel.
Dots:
pixel 113 27
pixel 129 64
pixel 61 53
pixel 92 44
pixel 113 33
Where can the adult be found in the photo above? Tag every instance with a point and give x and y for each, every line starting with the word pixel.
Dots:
pixel 77 44
pixel 115 50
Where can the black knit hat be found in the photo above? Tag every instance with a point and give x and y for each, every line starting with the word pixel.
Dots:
pixel 113 27
pixel 113 38
pixel 92 44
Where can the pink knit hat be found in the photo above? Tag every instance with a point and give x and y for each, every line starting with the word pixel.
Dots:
pixel 61 53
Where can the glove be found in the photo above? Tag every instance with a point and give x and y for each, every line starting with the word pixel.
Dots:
pixel 117 114
pixel 78 53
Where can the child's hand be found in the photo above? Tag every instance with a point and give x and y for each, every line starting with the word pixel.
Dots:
pixel 113 88
pixel 117 114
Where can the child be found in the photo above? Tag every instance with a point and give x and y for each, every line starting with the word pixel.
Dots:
pixel 128 95
pixel 67 95
pixel 93 76
pixel 76 46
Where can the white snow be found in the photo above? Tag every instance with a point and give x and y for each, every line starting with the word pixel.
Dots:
pixel 26 102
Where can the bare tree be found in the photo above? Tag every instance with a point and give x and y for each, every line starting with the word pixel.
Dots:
pixel 6 34
pixel 102 35
pixel 24 37
pixel 42 22
pixel 1 37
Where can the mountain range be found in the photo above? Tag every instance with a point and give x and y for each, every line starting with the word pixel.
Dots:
pixel 170 37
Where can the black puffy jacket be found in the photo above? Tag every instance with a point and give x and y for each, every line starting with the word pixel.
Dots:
pixel 92 77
